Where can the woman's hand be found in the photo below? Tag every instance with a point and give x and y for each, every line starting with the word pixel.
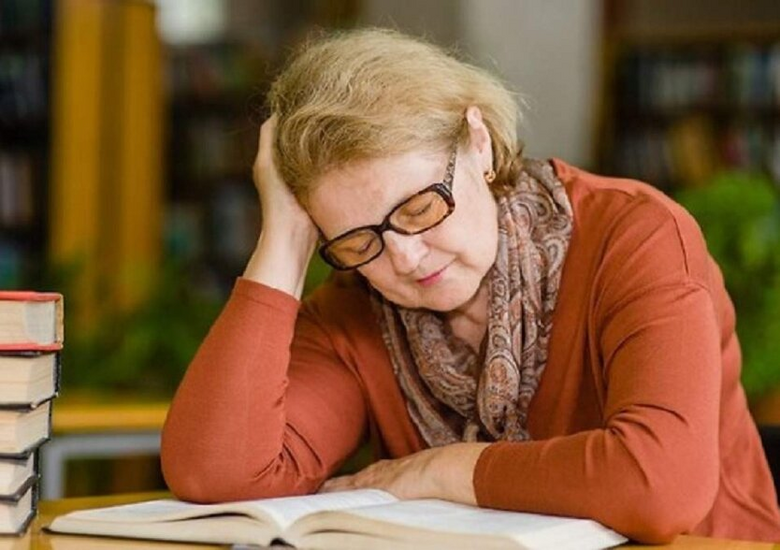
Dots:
pixel 440 472
pixel 406 478
pixel 281 211
pixel 289 236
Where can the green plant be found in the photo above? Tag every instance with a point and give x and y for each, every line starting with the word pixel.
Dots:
pixel 739 214
pixel 143 352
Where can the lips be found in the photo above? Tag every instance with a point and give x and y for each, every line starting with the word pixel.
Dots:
pixel 432 276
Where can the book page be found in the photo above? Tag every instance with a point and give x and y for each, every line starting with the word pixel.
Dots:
pixel 452 518
pixel 153 511
pixel 40 319
pixel 286 510
pixel 283 511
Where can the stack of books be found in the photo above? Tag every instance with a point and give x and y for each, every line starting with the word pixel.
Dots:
pixel 31 336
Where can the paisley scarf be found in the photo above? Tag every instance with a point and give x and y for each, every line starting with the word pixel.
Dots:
pixel 454 394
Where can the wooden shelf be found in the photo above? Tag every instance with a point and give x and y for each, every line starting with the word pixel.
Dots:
pixel 23 39
pixel 655 116
pixel 105 415
pixel 31 132
pixel 695 35
pixel 657 54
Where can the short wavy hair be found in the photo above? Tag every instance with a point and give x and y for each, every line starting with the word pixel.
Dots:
pixel 372 93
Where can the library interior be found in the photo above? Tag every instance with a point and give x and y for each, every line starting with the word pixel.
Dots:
pixel 129 128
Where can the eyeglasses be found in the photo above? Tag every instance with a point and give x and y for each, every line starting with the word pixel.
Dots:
pixel 420 212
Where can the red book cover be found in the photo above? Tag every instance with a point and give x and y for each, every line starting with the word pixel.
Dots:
pixel 30 321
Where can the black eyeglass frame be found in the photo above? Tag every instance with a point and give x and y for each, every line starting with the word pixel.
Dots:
pixel 443 189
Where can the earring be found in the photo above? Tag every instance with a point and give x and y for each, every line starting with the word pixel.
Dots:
pixel 490 175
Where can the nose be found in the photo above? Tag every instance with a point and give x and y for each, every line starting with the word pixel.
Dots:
pixel 404 251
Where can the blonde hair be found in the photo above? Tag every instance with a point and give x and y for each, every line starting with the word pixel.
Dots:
pixel 372 93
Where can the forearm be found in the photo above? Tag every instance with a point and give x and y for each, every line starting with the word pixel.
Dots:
pixel 648 475
pixel 281 259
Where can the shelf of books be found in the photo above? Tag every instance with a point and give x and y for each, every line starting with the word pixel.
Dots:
pixel 121 151
pixel 215 96
pixel 215 92
pixel 25 30
pixel 684 103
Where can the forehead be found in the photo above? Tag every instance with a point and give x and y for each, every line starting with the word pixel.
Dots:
pixel 363 193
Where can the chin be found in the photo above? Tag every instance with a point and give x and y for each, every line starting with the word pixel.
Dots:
pixel 450 294
pixel 450 298
pixel 444 303
pixel 433 300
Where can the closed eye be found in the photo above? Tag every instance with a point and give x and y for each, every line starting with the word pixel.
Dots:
pixel 421 211
pixel 363 249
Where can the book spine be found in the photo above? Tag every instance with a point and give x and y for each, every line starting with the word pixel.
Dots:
pixel 57 374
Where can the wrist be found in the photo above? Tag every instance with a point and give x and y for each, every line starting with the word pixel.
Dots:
pixel 280 260
pixel 297 236
pixel 450 469
pixel 294 244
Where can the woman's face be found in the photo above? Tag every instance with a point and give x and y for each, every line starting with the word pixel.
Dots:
pixel 440 269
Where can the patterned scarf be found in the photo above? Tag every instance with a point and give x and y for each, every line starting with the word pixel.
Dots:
pixel 451 393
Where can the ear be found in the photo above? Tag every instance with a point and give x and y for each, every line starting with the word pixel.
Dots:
pixel 479 138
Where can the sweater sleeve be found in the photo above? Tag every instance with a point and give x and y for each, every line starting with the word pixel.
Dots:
pixel 652 471
pixel 266 408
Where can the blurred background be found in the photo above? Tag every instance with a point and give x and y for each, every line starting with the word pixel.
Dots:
pixel 128 130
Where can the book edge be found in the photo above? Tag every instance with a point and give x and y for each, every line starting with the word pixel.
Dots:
pixel 29 296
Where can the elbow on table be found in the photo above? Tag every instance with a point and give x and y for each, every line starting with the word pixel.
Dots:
pixel 204 483
pixel 190 480
pixel 194 480
pixel 190 488
pixel 207 488
pixel 660 515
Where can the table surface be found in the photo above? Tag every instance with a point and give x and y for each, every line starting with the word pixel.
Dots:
pixel 38 540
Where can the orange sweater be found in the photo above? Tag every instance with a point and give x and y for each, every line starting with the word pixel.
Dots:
pixel 640 421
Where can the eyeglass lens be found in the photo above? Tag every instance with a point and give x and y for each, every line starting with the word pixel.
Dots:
pixel 419 213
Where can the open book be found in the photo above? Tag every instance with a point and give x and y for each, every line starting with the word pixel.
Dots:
pixel 366 518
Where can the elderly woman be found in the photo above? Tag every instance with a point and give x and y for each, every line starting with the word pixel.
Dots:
pixel 508 332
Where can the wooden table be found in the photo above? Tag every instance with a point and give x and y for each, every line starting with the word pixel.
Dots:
pixel 38 540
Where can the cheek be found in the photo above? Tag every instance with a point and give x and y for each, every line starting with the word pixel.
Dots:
pixel 381 276
pixel 473 230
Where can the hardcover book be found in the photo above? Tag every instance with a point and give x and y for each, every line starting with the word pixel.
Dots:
pixel 23 430
pixel 28 378
pixel 15 474
pixel 31 321
pixel 16 513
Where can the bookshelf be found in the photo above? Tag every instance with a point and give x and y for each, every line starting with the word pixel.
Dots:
pixel 215 92
pixel 686 99
pixel 122 151
pixel 215 97
pixel 25 44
